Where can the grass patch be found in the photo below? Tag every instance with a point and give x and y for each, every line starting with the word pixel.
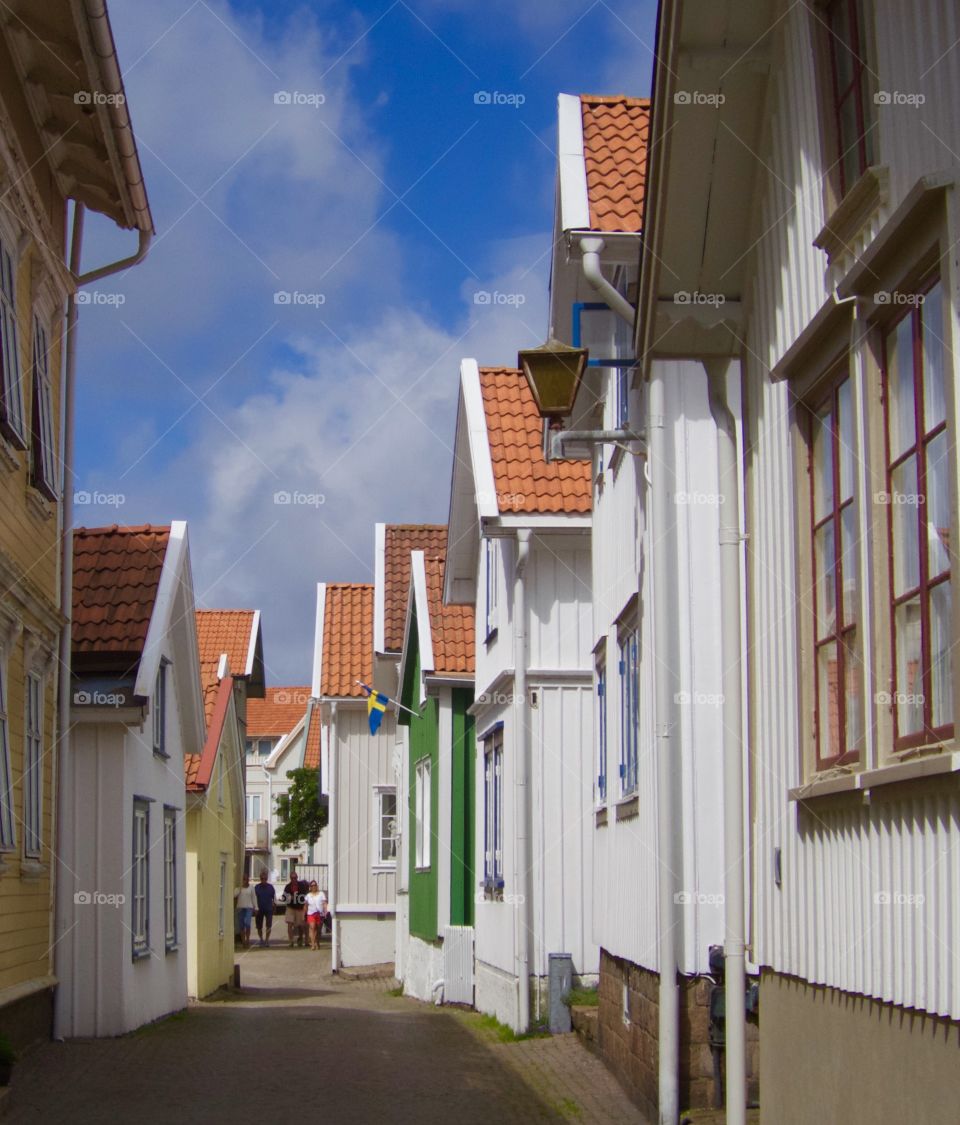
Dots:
pixel 492 1029
pixel 585 997
pixel 162 1022
pixel 398 991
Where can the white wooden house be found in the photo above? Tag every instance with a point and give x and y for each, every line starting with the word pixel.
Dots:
pixel 137 710
pixel 283 734
pixel 602 146
pixel 518 550
pixel 362 780
pixel 803 176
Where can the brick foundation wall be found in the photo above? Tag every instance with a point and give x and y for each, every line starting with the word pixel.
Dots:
pixel 632 1051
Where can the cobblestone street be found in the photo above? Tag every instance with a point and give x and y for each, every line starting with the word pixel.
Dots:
pixel 296 1038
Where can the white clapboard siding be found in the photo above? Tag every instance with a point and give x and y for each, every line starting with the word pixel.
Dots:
pixel 868 900
pixel 458 964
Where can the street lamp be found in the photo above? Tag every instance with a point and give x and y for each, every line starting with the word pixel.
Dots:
pixel 553 372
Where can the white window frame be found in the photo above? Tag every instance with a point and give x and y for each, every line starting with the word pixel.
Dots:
pixel 423 808
pixel 170 919
pixel 220 779
pixel 601 684
pixel 252 817
pixel 629 668
pixel 160 711
pixel 492 581
pixel 493 810
pixel 11 376
pixel 33 755
pixel 140 880
pixel 8 826
pixel 44 476
pixel 385 835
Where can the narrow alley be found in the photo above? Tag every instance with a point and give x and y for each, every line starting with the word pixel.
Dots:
pixel 297 1038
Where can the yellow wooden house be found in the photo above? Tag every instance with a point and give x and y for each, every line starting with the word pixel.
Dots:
pixel 65 135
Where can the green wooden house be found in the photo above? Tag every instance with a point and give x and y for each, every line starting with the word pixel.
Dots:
pixel 438 815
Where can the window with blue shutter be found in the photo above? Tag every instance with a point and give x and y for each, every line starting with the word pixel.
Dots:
pixel 601 725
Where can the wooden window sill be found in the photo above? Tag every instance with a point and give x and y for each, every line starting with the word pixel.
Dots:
pixel 628 807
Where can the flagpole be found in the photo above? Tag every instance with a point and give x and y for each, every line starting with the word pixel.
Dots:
pixel 388 698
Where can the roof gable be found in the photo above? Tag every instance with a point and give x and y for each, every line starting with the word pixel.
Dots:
pixel 116 577
pixel 229 632
pixel 399 541
pixel 615 139
pixel 347 646
pixel 524 480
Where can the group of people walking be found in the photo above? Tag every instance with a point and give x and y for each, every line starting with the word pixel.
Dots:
pixel 305 910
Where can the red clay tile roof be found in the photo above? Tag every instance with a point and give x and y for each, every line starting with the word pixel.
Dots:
pixel 198 768
pixel 277 713
pixel 615 135
pixel 311 755
pixel 347 639
pixel 525 482
pixel 116 572
pixel 221 631
pixel 399 540
pixel 451 626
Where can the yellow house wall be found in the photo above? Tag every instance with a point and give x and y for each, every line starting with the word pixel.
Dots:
pixel 29 558
pixel 213 830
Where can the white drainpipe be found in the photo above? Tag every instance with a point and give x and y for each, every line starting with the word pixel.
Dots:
pixel 62 892
pixel 591 247
pixel 733 857
pixel 333 760
pixel 668 805
pixel 523 857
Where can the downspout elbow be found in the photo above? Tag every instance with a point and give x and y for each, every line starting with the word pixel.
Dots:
pixel 590 248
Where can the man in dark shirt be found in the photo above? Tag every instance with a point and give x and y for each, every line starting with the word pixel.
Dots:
pixel 294 895
pixel 266 898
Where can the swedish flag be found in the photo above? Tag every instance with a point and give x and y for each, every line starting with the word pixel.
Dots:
pixel 376 706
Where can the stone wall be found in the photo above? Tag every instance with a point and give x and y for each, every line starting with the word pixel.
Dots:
pixel 631 1050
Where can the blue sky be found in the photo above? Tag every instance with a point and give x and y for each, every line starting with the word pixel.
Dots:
pixel 381 196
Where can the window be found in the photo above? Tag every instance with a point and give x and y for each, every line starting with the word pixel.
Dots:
pixel 493 587
pixel 11 390
pixel 601 678
pixel 219 779
pixel 8 837
pixel 838 675
pixel 44 450
pixel 920 503
pixel 851 92
pixel 248 747
pixel 160 711
pixel 140 874
pixel 253 807
pixel 386 813
pixel 629 707
pixel 493 811
pixel 285 868
pixel 423 799
pixel 222 914
pixel 169 877
pixel 33 766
